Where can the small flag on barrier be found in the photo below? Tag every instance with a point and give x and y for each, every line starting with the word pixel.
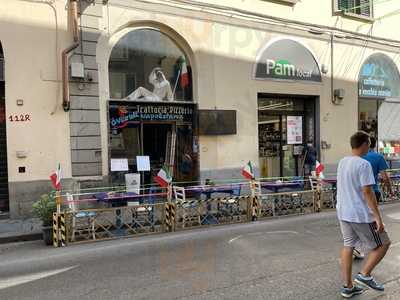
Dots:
pixel 163 177
pixel 56 178
pixel 247 171
pixel 319 168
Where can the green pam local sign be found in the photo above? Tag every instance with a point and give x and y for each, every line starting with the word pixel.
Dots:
pixel 287 59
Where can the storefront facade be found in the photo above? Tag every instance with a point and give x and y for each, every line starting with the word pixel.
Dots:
pixel 156 77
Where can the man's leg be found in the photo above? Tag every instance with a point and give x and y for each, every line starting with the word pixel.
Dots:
pixel 378 243
pixel 346 265
pixel 374 257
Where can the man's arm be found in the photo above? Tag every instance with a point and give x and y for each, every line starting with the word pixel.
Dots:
pixel 370 198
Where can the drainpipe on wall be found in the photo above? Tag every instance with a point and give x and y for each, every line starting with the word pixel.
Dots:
pixel 67 51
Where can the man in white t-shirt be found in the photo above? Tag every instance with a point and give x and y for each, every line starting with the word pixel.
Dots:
pixel 359 217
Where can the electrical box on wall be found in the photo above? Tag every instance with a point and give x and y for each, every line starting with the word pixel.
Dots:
pixel 338 96
pixel 77 70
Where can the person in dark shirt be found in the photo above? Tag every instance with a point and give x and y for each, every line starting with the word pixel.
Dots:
pixel 379 167
pixel 310 158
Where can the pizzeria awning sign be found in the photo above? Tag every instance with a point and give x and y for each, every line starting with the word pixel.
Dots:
pixel 379 78
pixel 288 60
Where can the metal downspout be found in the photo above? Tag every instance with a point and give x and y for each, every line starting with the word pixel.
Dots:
pixel 66 52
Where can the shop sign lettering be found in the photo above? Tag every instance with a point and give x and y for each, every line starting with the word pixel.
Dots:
pixel 379 78
pixel 286 59
pixel 285 68
pixel 121 114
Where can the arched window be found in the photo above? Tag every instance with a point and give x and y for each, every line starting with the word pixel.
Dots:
pixel 379 104
pixel 146 64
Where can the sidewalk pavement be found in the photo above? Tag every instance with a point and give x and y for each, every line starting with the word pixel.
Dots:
pixel 15 230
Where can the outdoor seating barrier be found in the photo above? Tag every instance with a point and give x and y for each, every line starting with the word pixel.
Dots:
pixel 170 212
pixel 328 198
pixel 213 211
pixel 59 230
pixel 116 222
pixel 395 195
pixel 74 224
pixel 287 203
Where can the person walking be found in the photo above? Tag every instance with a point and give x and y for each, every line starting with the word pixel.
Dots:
pixel 379 167
pixel 359 217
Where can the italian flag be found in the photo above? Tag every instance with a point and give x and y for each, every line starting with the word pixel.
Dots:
pixel 163 177
pixel 319 168
pixel 184 79
pixel 55 178
pixel 247 171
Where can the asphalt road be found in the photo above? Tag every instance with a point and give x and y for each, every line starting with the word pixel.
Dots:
pixel 287 258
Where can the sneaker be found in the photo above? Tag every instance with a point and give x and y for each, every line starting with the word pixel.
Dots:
pixel 350 292
pixel 357 254
pixel 368 282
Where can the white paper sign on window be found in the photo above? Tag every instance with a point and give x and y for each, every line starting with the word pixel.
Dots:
pixel 294 130
pixel 119 164
pixel 143 163
pixel 132 181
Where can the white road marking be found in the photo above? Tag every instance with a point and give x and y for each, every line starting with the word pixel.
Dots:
pixel 21 279
pixel 395 216
pixel 395 245
pixel 274 232
pixel 263 233
pixel 234 239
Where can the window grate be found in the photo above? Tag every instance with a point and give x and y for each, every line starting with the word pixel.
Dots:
pixel 358 7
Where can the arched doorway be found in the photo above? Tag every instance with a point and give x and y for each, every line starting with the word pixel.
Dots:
pixel 4 204
pixel 151 110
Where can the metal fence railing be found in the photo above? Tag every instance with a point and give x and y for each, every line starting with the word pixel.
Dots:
pixel 213 211
pixel 287 203
pixel 92 215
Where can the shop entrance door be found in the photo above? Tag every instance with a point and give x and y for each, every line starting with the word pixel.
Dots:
pixel 171 145
pixel 285 125
pixel 154 141
pixel 278 156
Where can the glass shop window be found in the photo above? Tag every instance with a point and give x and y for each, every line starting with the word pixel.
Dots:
pixel 147 65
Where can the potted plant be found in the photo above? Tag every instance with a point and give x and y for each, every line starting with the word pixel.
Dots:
pixel 44 209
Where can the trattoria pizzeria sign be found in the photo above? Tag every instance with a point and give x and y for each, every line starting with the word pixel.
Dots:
pixel 122 114
pixel 286 59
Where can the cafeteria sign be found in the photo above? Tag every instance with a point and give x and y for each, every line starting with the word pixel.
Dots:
pixel 379 78
pixel 124 113
pixel 286 59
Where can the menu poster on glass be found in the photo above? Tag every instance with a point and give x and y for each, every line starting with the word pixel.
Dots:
pixel 294 130
pixel 132 181
pixel 143 163
pixel 119 164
